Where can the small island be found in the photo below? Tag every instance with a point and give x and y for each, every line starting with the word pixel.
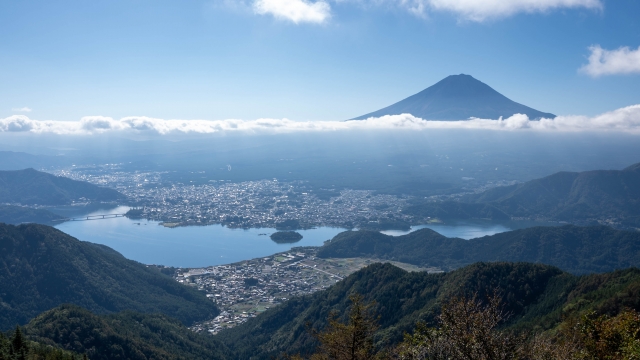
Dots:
pixel 286 237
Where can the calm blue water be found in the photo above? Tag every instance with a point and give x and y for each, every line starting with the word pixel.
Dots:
pixel 197 246
pixel 465 230
pixel 191 246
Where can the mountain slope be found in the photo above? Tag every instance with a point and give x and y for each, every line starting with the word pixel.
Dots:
pixel 567 196
pixel 600 196
pixel 30 187
pixel 536 296
pixel 125 335
pixel 10 214
pixel 12 160
pixel 458 97
pixel 573 249
pixel 42 267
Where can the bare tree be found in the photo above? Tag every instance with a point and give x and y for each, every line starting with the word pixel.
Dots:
pixel 467 330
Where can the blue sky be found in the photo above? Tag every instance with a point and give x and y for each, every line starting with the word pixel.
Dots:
pixel 333 60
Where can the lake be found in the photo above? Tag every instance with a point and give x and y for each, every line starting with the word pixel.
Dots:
pixel 463 230
pixel 198 246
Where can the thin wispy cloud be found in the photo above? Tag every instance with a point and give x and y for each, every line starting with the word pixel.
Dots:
pixel 22 109
pixel 481 10
pixel 320 11
pixel 623 60
pixel 296 11
pixel 621 120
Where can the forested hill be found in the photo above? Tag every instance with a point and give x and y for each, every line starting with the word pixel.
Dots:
pixel 125 335
pixel 11 214
pixel 42 267
pixel 590 196
pixel 572 248
pixel 30 187
pixel 537 296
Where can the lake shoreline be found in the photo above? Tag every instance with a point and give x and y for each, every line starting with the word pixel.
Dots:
pixel 206 245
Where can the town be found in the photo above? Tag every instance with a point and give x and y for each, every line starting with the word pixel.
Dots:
pixel 249 204
pixel 267 203
pixel 243 290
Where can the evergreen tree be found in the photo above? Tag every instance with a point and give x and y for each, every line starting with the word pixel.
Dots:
pixel 19 346
pixel 4 347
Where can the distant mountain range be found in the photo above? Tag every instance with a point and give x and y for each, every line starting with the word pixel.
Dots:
pixel 458 97
pixel 611 196
pixel 42 267
pixel 32 187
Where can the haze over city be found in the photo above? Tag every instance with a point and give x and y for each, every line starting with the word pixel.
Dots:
pixel 320 179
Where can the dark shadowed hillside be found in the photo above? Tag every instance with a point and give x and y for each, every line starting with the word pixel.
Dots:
pixel 42 267
pixel 17 346
pixel 590 196
pixel 458 97
pixel 29 187
pixel 125 335
pixel 11 214
pixel 573 249
pixel 536 295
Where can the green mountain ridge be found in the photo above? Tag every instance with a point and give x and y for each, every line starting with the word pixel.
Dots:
pixel 124 309
pixel 125 335
pixel 16 346
pixel 571 248
pixel 611 196
pixel 538 296
pixel 32 187
pixel 42 267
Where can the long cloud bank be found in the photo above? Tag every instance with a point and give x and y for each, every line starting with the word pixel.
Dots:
pixel 625 120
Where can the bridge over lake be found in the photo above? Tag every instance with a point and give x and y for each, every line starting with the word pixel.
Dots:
pixel 93 217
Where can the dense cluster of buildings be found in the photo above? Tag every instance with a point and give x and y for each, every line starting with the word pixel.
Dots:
pixel 263 203
pixel 245 289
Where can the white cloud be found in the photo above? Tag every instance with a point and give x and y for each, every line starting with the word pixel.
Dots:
pixel 22 109
pixel 480 10
pixel 319 11
pixel 611 62
pixel 297 11
pixel 621 120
